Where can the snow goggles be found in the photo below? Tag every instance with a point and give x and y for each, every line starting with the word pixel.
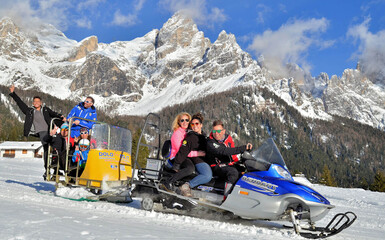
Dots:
pixel 217 131
pixel 83 147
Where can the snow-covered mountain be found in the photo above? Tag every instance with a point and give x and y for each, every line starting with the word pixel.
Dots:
pixel 169 66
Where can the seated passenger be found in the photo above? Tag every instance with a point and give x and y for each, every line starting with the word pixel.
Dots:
pixel 84 134
pixel 84 110
pixel 81 153
pixel 58 142
pixel 195 141
pixel 221 154
pixel 180 126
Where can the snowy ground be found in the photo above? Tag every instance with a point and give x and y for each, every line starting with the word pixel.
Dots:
pixel 29 211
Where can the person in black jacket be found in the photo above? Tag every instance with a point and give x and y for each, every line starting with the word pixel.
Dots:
pixel 58 142
pixel 195 140
pixel 37 120
pixel 221 153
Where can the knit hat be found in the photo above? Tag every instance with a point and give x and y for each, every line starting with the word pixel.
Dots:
pixel 64 126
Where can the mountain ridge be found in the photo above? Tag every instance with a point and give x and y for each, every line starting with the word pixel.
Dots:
pixel 171 65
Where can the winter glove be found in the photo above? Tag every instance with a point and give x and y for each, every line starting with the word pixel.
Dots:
pixel 76 156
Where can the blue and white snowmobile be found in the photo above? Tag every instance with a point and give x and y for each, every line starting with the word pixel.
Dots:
pixel 265 191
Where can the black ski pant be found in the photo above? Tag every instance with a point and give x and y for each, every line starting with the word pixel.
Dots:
pixel 45 147
pixel 228 173
pixel 186 169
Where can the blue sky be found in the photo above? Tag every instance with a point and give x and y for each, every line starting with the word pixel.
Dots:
pixel 319 35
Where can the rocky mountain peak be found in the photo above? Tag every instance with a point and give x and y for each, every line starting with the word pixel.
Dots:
pixel 179 47
pixel 16 44
pixel 178 31
pixel 223 36
pixel 100 75
pixel 7 26
pixel 86 46
pixel 224 57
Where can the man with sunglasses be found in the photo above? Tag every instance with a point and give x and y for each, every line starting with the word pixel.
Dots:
pixel 221 154
pixel 85 110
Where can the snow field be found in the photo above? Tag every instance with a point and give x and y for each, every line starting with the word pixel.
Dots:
pixel 30 210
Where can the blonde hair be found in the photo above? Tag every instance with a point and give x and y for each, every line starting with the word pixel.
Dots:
pixel 175 123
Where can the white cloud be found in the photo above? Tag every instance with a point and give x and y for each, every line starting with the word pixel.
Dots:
pixel 262 10
pixel 128 19
pixel 124 20
pixel 290 43
pixel 84 23
pixel 31 14
pixel 197 10
pixel 371 51
pixel 139 5
pixel 89 4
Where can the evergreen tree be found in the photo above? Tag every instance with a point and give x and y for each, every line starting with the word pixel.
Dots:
pixel 326 177
pixel 143 150
pixel 379 182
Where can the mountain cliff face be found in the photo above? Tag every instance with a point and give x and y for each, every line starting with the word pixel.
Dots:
pixel 168 66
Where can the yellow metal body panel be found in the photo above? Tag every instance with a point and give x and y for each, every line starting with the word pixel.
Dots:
pixel 106 165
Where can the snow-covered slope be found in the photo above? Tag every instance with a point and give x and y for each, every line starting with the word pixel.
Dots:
pixel 169 66
pixel 29 210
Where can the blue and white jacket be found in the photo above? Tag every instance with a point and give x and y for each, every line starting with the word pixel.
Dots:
pixel 80 156
pixel 80 111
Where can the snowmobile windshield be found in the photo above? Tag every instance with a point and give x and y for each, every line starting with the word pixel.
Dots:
pixel 268 154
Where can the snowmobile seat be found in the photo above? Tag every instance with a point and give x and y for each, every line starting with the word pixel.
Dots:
pixel 166 149
pixel 215 182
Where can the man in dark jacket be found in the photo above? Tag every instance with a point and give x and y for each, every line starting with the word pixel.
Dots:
pixel 37 120
pixel 221 153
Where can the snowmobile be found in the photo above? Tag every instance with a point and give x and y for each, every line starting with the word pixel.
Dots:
pixel 264 191
pixel 108 168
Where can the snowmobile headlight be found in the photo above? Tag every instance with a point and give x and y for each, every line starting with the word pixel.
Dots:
pixel 282 172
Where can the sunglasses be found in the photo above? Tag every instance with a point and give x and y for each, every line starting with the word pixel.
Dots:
pixel 83 133
pixel 65 129
pixel 88 101
pixel 184 120
pixel 217 131
pixel 196 124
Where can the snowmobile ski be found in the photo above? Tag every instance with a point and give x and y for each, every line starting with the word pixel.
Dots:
pixel 338 223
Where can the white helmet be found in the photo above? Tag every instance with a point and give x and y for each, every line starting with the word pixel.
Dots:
pixel 84 144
